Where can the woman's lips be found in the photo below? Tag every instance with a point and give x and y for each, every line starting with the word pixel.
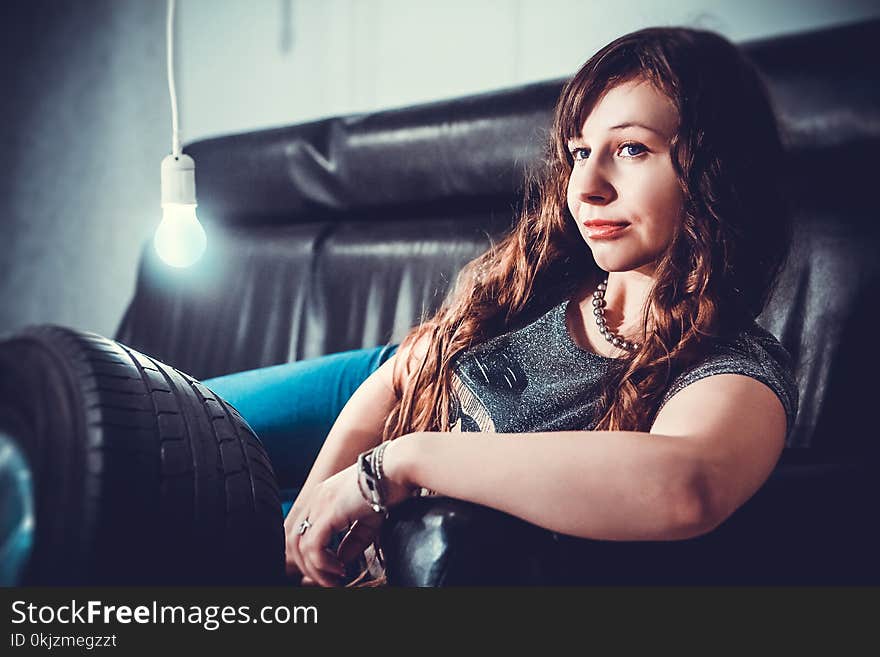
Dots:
pixel 606 231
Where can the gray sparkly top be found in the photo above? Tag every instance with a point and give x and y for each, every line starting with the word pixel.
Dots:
pixel 538 379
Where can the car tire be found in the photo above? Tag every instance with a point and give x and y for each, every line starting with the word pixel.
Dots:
pixel 140 474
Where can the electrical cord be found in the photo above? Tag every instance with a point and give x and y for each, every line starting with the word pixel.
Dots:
pixel 169 41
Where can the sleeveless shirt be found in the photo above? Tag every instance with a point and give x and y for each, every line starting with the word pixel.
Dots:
pixel 538 379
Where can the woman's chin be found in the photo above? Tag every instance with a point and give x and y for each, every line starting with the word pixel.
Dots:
pixel 611 259
pixel 612 264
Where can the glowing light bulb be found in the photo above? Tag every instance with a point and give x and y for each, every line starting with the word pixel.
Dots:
pixel 180 239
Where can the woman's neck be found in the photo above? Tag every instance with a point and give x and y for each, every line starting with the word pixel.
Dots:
pixel 626 299
pixel 625 303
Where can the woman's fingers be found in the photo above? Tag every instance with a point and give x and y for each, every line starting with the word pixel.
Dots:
pixel 325 577
pixel 321 564
pixel 306 552
pixel 356 541
pixel 293 558
pixel 297 563
pixel 305 565
pixel 318 576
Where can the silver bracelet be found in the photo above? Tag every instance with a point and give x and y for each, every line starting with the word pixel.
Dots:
pixel 369 481
pixel 378 459
pixel 363 487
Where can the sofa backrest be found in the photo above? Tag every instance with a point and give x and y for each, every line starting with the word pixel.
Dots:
pixel 344 233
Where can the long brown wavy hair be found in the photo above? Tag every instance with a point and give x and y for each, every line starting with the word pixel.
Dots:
pixel 715 277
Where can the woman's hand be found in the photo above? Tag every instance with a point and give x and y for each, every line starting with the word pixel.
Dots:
pixel 356 540
pixel 333 506
pixel 293 559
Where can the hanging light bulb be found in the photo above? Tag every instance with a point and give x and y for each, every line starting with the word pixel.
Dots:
pixel 180 239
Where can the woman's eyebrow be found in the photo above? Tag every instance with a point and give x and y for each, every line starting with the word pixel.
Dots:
pixel 635 124
pixel 628 124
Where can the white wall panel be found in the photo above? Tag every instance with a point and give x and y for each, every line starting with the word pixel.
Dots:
pixel 249 65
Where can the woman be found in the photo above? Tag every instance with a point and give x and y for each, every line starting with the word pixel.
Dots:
pixel 646 403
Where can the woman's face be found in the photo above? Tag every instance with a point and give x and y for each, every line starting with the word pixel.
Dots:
pixel 624 173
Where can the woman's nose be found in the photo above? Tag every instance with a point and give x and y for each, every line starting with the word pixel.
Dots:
pixel 592 184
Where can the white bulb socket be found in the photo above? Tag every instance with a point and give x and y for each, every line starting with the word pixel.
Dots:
pixel 178 180
pixel 180 239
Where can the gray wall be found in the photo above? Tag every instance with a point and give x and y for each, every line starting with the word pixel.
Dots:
pixel 84 126
pixel 86 118
pixel 285 61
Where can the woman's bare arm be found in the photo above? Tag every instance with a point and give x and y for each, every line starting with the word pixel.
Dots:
pixel 609 485
pixel 710 448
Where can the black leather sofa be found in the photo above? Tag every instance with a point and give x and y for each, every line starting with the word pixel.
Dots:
pixel 342 233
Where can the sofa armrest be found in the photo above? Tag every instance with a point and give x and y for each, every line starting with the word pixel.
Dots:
pixel 809 524
pixel 442 541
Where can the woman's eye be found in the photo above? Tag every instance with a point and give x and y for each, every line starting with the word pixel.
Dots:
pixel 631 150
pixel 633 145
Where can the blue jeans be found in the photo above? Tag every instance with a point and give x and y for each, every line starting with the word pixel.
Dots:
pixel 292 407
